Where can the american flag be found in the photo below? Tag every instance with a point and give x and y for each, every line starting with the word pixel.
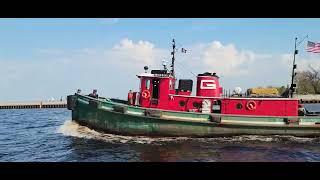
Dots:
pixel 313 47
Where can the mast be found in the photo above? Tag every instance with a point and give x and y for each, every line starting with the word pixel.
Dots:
pixel 294 66
pixel 172 53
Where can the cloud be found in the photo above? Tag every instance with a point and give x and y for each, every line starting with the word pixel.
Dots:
pixel 226 60
pixel 133 55
pixel 303 63
pixel 55 72
pixel 126 54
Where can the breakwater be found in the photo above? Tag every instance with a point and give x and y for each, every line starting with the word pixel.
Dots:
pixel 33 105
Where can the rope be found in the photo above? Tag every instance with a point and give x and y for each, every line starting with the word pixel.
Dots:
pixel 186 69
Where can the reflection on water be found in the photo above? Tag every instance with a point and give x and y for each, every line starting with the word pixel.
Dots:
pixel 48 135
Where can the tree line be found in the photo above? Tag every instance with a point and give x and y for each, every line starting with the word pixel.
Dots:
pixel 308 81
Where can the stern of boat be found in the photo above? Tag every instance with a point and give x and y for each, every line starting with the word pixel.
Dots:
pixel 72 105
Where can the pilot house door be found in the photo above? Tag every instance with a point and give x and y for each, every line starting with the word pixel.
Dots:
pixel 155 93
pixel 155 89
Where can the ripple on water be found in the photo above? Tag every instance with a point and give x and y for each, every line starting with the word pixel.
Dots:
pixel 47 135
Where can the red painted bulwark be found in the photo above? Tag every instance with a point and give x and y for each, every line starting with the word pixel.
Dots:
pixel 264 107
pixel 188 93
pixel 183 103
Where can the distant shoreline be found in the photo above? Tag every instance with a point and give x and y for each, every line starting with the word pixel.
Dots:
pixel 307 96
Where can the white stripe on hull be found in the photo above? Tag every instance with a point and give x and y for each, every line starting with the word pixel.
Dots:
pixel 307 123
pixel 251 122
pixel 179 117
pixel 264 123
pixel 135 113
pixel 106 108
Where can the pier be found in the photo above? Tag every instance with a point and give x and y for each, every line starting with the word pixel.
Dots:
pixel 34 105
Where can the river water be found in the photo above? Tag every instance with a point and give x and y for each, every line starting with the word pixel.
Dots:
pixel 48 135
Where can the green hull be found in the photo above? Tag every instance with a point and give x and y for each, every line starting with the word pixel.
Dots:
pixel 117 118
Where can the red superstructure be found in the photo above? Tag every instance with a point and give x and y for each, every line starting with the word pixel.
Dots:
pixel 158 90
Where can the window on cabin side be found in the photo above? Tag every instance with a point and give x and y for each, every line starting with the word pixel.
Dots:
pixel 148 84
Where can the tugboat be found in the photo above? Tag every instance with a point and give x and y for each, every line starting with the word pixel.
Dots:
pixel 158 109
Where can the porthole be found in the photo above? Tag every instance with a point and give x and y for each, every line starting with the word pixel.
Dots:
pixel 239 106
pixel 196 104
pixel 182 103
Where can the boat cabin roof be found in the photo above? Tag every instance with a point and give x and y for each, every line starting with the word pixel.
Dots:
pixel 154 75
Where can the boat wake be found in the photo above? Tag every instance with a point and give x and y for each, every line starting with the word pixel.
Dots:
pixel 263 139
pixel 71 128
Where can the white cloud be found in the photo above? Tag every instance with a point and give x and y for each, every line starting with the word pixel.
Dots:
pixel 130 54
pixel 55 73
pixel 226 60
pixel 126 54
pixel 303 63
pixel 112 71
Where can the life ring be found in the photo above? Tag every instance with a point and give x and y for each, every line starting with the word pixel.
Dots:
pixel 145 94
pixel 251 105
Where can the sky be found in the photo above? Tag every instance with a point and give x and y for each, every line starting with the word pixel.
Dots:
pixel 43 58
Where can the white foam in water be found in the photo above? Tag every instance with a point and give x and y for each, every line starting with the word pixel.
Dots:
pixel 71 128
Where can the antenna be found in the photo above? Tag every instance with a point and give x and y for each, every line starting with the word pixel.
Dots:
pixel 164 64
pixel 294 66
pixel 172 53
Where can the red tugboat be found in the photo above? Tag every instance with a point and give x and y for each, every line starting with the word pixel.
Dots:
pixel 158 109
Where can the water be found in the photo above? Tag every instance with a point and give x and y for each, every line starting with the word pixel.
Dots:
pixel 50 135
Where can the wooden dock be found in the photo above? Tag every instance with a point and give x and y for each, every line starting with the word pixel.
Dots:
pixel 33 105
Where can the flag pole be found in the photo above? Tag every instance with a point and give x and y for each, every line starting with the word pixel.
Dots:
pixel 172 53
pixel 294 66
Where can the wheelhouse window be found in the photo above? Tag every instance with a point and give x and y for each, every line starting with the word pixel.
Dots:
pixel 171 84
pixel 148 84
